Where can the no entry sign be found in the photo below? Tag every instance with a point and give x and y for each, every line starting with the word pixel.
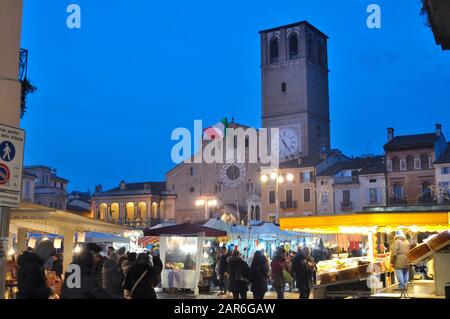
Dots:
pixel 12 142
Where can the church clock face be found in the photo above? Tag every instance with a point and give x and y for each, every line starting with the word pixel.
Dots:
pixel 289 145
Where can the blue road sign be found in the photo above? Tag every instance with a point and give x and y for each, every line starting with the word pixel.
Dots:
pixel 7 151
pixel 4 174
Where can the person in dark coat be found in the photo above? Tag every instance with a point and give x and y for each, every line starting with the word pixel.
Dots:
pixel 277 267
pixel 259 271
pixel 89 287
pixel 99 260
pixel 238 275
pixel 222 267
pixel 32 283
pixel 142 277
pixel 304 271
pixel 57 266
pixel 111 276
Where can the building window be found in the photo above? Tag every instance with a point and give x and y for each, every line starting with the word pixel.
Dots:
pixel 307 195
pixel 273 49
pixel 395 164
pixel 306 177
pixel 27 188
pixel 293 46
pixel 398 191
pixel 192 189
pixel 346 196
pixel 283 87
pixel 289 200
pixel 324 197
pixel 425 162
pixel 373 195
pixel 372 181
pixel 445 170
pixel 410 163
pixel 271 197
pixel 192 172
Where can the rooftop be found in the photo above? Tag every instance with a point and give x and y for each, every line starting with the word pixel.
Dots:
pixel 366 165
pixel 295 24
pixel 153 188
pixel 411 141
pixel 445 157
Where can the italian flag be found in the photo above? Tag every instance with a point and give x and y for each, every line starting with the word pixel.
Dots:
pixel 218 130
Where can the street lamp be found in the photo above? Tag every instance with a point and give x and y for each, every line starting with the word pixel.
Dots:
pixel 278 178
pixel 207 202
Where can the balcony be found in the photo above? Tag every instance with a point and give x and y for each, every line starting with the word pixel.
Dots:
pixel 346 179
pixel 397 201
pixel 288 205
pixel 426 199
pixel 346 205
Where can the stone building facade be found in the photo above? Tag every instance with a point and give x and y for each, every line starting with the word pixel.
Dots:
pixel 442 172
pixel 136 205
pixel 410 173
pixel 50 189
pixel 294 86
pixel 204 190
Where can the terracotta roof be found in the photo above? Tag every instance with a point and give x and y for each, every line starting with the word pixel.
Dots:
pixel 411 141
pixel 366 165
pixel 307 161
pixel 445 157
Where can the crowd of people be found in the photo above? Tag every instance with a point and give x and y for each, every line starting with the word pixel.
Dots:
pixel 286 270
pixel 119 275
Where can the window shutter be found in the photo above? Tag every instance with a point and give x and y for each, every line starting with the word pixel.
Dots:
pixel 430 162
pixel 302 178
pixel 368 196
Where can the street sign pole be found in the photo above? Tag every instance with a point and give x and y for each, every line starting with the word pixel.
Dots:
pixel 4 233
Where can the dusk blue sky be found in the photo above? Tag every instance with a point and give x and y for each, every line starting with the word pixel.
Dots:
pixel 110 94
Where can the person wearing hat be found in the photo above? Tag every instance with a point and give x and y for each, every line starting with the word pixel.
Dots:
pixel 399 260
pixel 32 283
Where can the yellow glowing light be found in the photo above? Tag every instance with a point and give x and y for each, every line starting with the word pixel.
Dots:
pixel 77 249
pixel 199 202
pixel 11 252
pixel 264 178
pixel 290 177
pixel 273 176
pixel 212 202
pixel 45 238
pixel 280 179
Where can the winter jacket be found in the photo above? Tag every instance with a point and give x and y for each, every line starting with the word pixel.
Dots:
pixel 112 278
pixel 145 288
pixel 238 274
pixel 223 267
pixel 88 289
pixel 32 283
pixel 399 250
pixel 303 272
pixel 259 271
pixel 277 266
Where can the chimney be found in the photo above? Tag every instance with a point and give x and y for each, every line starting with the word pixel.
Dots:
pixel 438 129
pixel 390 132
pixel 122 185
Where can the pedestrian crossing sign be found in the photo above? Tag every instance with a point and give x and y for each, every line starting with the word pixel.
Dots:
pixel 12 142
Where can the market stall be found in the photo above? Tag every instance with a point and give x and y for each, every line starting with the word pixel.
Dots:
pixel 185 253
pixel 341 276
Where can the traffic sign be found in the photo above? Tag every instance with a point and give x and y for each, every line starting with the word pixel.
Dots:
pixel 4 174
pixel 12 142
pixel 7 151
